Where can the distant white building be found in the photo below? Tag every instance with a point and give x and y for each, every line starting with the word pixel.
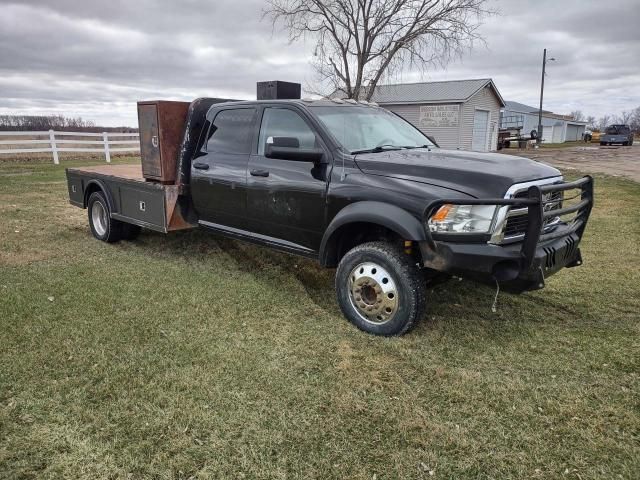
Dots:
pixel 555 128
pixel 462 114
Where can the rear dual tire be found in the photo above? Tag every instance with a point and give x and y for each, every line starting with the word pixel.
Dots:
pixel 380 289
pixel 105 228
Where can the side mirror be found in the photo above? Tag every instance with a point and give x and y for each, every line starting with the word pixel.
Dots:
pixel 288 148
pixel 290 142
pixel 294 154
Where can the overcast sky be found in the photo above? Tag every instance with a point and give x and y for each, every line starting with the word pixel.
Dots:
pixel 96 59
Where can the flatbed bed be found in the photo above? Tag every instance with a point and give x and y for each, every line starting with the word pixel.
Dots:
pixel 132 199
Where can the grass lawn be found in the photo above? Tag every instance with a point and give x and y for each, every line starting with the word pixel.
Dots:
pixel 194 356
pixel 579 143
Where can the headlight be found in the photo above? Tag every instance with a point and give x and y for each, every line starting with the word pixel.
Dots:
pixel 462 218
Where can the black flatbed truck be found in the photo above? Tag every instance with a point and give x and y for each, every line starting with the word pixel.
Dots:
pixel 355 187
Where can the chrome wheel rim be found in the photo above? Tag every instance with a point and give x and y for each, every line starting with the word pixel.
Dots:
pixel 99 218
pixel 373 293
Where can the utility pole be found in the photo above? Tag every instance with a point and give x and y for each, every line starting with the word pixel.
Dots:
pixel 544 65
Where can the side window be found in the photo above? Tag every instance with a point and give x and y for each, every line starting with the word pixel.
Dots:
pixel 282 122
pixel 231 131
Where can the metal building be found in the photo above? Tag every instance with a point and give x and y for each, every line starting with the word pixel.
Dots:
pixel 555 128
pixel 462 114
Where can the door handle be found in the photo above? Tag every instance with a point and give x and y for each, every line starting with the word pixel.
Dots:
pixel 259 173
pixel 201 166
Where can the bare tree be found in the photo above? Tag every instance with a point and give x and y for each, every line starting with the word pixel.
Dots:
pixel 54 122
pixel 361 42
pixel 624 117
pixel 634 123
pixel 604 122
pixel 577 115
pixel 591 122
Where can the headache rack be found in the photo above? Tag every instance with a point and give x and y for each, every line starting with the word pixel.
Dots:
pixel 538 214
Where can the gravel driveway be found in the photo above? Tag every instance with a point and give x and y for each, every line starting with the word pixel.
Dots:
pixel 616 161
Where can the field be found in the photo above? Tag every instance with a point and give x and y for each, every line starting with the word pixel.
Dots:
pixel 615 161
pixel 193 356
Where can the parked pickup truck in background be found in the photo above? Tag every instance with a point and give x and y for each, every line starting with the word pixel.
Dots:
pixel 621 134
pixel 355 187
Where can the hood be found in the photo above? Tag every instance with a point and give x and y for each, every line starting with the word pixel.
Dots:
pixel 483 175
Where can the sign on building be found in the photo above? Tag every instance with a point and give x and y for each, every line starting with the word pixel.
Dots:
pixel 439 115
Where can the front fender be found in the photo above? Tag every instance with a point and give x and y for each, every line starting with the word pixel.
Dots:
pixel 390 216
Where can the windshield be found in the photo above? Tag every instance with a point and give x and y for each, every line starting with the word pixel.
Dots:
pixel 366 128
pixel 616 129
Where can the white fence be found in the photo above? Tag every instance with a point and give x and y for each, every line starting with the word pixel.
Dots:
pixel 56 145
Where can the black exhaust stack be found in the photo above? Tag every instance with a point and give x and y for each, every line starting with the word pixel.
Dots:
pixel 278 90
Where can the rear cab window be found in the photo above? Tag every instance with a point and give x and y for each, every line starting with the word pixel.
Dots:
pixel 231 131
pixel 617 130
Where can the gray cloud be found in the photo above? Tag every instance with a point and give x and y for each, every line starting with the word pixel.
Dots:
pixel 96 59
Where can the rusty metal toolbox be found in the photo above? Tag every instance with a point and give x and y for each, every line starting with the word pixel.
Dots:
pixel 161 125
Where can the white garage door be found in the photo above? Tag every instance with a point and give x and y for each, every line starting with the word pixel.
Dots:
pixel 480 127
pixel 572 133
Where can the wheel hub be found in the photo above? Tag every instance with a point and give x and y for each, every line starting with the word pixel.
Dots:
pixel 373 293
pixel 99 218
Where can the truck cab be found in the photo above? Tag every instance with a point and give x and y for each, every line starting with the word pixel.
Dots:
pixel 364 191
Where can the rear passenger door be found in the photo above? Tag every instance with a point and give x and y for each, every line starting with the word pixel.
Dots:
pixel 219 172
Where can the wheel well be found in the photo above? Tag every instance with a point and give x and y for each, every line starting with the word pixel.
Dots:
pixel 352 234
pixel 92 187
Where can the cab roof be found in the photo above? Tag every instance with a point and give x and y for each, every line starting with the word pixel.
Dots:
pixel 323 102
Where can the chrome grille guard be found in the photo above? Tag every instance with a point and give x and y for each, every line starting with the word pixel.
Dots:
pixel 536 215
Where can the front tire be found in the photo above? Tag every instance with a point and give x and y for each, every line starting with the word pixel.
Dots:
pixel 380 289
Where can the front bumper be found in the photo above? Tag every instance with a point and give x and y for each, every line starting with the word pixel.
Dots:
pixel 518 266
pixel 614 139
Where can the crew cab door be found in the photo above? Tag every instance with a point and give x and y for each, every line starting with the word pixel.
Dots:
pixel 286 197
pixel 219 172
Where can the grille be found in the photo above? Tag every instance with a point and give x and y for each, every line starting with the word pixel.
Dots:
pixel 516 225
pixel 517 221
pixel 564 209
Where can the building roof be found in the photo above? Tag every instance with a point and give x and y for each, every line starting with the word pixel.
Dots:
pixel 522 108
pixel 432 92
